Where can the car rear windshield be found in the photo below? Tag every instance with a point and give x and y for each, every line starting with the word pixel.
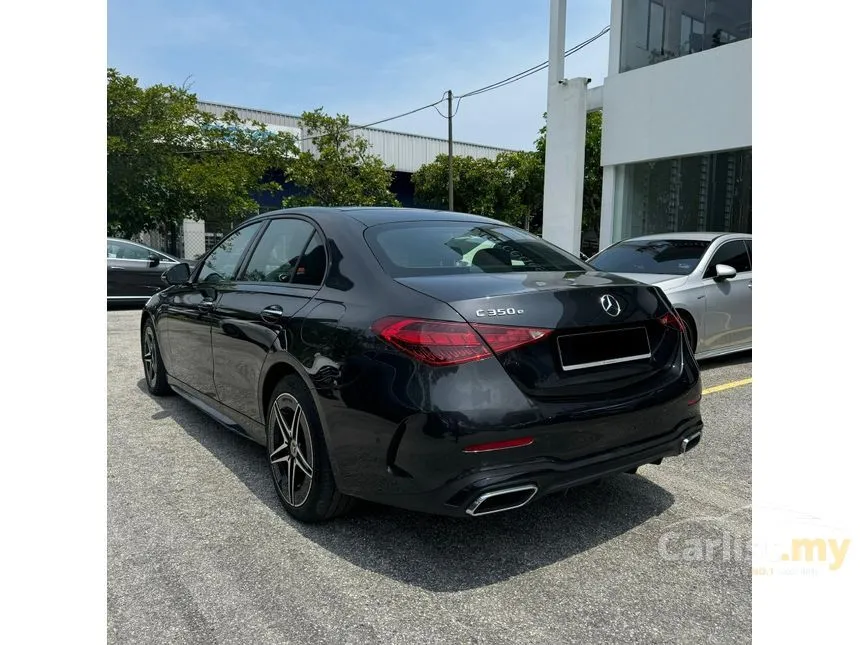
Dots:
pixel 406 249
pixel 671 257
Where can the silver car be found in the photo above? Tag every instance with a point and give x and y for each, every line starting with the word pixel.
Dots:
pixel 707 277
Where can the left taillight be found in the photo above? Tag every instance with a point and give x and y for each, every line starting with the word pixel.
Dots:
pixel 437 342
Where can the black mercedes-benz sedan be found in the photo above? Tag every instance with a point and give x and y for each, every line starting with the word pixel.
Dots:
pixel 429 360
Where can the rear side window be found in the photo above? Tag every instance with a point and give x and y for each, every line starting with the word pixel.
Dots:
pixel 442 248
pixel 279 251
pixel 311 268
pixel 733 254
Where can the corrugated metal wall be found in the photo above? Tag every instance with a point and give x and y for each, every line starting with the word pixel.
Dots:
pixel 406 152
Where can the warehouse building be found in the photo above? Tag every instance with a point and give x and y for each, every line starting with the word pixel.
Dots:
pixel 406 153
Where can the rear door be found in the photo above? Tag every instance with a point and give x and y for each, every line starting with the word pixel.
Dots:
pixel 188 311
pixel 283 272
pixel 728 314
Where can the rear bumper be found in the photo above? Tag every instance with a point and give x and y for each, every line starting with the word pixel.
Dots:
pixel 459 496
pixel 384 452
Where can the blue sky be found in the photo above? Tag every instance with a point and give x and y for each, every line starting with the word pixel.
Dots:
pixel 369 59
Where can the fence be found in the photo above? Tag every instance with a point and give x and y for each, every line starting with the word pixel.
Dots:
pixel 192 238
pixel 188 241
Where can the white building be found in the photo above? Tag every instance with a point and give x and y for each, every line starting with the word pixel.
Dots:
pixel 677 122
pixel 677 118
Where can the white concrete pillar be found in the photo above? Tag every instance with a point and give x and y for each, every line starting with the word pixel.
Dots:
pixel 565 163
pixel 193 238
pixel 607 207
pixel 616 9
pixel 566 102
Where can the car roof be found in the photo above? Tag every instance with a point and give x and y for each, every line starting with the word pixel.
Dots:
pixel 373 215
pixel 701 236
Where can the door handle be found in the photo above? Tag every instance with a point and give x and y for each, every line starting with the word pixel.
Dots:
pixel 117 268
pixel 206 305
pixel 749 285
pixel 272 313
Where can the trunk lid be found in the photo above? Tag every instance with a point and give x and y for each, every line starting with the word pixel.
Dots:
pixel 589 352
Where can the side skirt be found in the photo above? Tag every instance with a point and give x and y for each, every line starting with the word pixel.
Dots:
pixel 230 419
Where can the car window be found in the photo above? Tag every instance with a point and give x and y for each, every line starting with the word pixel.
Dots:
pixel 668 257
pixel 222 262
pixel 441 248
pixel 279 250
pixel 733 254
pixel 126 251
pixel 311 268
pixel 749 250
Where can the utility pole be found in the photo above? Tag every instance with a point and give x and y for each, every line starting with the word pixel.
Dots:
pixel 450 151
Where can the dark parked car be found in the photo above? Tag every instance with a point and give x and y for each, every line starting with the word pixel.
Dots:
pixel 378 355
pixel 134 270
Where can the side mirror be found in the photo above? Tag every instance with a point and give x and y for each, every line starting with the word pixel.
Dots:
pixel 177 274
pixel 724 272
pixel 154 260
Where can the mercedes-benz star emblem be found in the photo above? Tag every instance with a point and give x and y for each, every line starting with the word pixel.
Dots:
pixel 610 305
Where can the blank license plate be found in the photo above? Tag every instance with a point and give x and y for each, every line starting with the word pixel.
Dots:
pixel 579 351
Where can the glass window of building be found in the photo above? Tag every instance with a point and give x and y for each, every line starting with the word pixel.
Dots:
pixel 656 30
pixel 711 192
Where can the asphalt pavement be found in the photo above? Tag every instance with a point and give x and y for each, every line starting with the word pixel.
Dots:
pixel 201 551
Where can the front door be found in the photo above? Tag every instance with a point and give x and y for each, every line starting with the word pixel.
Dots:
pixel 187 316
pixel 728 316
pixel 283 273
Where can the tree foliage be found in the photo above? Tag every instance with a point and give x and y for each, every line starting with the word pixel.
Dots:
pixel 339 170
pixel 168 160
pixel 478 185
pixel 510 188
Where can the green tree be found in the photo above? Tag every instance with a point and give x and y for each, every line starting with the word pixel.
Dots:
pixel 479 185
pixel 340 169
pixel 523 193
pixel 510 187
pixel 168 160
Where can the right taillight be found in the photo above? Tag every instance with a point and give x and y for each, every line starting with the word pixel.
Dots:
pixel 440 343
pixel 673 320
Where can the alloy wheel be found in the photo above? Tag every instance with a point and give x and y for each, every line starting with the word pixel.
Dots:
pixel 150 356
pixel 293 457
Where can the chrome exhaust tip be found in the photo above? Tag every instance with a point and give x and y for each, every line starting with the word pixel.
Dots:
pixel 690 442
pixel 505 499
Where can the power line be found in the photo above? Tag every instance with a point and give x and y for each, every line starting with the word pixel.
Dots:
pixel 488 88
pixel 368 125
pixel 534 70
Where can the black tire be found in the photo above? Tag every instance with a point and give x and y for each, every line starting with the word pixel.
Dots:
pixel 298 456
pixel 153 366
pixel 689 329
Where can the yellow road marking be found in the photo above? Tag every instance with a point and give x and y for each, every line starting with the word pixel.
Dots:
pixel 726 386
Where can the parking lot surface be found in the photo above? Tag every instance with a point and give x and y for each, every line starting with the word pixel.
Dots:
pixel 200 550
